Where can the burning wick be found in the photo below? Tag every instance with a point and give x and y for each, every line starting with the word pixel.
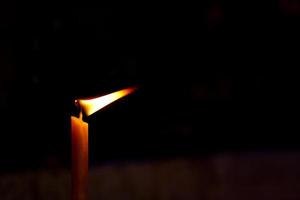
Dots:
pixel 80 110
pixel 79 131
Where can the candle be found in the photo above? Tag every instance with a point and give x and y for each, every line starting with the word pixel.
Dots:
pixel 79 131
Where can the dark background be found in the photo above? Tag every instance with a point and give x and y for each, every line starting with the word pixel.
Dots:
pixel 213 77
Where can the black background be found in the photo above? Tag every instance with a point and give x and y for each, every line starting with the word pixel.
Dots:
pixel 212 77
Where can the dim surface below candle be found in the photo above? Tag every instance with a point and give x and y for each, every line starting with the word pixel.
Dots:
pixel 79 130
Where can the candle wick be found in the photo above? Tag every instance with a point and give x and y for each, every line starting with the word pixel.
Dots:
pixel 80 109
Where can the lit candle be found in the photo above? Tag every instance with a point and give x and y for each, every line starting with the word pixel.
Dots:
pixel 79 131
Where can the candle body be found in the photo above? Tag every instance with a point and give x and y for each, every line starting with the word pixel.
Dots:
pixel 79 130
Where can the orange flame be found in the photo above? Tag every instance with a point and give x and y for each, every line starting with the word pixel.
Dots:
pixel 90 106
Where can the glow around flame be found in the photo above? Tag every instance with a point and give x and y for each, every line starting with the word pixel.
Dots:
pixel 91 106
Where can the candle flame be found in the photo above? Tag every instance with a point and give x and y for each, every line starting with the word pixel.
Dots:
pixel 90 106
